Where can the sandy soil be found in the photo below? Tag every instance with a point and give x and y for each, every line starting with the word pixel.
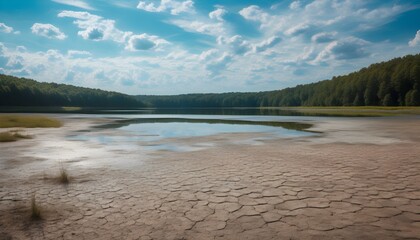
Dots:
pixel 359 179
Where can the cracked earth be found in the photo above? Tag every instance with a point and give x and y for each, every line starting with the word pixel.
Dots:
pixel 359 180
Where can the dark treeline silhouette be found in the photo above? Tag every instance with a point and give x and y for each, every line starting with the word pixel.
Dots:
pixel 392 83
pixel 26 92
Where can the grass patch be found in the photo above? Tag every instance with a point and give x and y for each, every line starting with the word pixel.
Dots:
pixel 12 136
pixel 362 111
pixel 35 209
pixel 9 121
pixel 63 177
pixel 71 109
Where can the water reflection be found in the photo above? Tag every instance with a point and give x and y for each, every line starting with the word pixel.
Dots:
pixel 154 133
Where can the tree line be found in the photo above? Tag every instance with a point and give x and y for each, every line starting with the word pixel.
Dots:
pixel 26 92
pixel 392 83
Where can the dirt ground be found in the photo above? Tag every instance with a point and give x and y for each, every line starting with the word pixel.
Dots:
pixel 359 179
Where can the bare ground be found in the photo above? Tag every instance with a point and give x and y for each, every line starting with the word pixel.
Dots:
pixel 358 180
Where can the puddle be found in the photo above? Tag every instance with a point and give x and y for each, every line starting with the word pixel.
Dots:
pixel 154 133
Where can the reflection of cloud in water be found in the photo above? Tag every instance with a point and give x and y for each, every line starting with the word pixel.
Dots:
pixel 83 151
pixel 170 136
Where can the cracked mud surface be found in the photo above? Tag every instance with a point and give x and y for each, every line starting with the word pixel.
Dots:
pixel 312 188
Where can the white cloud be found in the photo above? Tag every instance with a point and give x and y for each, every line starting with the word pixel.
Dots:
pixel 209 54
pixel 144 42
pixel 80 15
pixel 299 29
pixel 95 27
pixel 315 38
pixel 348 48
pixel 319 31
pixel 216 66
pixel 236 44
pixel 415 41
pixel 21 49
pixel 148 73
pixel 6 29
pixel 47 30
pixel 254 13
pixel 175 7
pixel 92 33
pixel 295 5
pixel 75 3
pixel 214 29
pixel 77 53
pixel 324 37
pixel 266 44
pixel 218 14
pixel 346 15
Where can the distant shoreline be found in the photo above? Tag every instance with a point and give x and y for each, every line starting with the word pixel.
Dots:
pixel 362 111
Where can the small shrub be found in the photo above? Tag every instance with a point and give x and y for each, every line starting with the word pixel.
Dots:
pixel 35 209
pixel 28 121
pixel 12 136
pixel 63 177
pixel 7 137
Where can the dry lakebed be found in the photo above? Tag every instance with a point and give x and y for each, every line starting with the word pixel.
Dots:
pixel 345 178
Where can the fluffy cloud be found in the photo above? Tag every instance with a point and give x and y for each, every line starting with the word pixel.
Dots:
pixel 77 53
pixel 47 30
pixel 349 48
pixel 323 29
pixel 92 33
pixel 80 15
pixel 254 13
pixel 216 66
pixel 6 29
pixel 302 28
pixel 175 7
pixel 213 29
pixel 295 5
pixel 218 14
pixel 147 73
pixel 323 14
pixel 236 44
pixel 314 38
pixel 415 41
pixel 75 3
pixel 95 27
pixel 209 54
pixel 144 42
pixel 266 44
pixel 324 37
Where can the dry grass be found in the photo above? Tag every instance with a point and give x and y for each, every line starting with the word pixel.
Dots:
pixel 12 136
pixel 362 111
pixel 63 177
pixel 35 209
pixel 9 121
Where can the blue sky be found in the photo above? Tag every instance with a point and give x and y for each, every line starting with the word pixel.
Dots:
pixel 190 46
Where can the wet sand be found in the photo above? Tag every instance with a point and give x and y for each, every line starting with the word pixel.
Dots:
pixel 359 179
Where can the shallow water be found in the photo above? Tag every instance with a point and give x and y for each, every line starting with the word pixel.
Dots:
pixel 159 130
pixel 164 132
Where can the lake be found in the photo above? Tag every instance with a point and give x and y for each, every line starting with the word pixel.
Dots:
pixel 165 131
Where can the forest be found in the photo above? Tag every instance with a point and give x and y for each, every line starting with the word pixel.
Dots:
pixel 392 83
pixel 26 92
